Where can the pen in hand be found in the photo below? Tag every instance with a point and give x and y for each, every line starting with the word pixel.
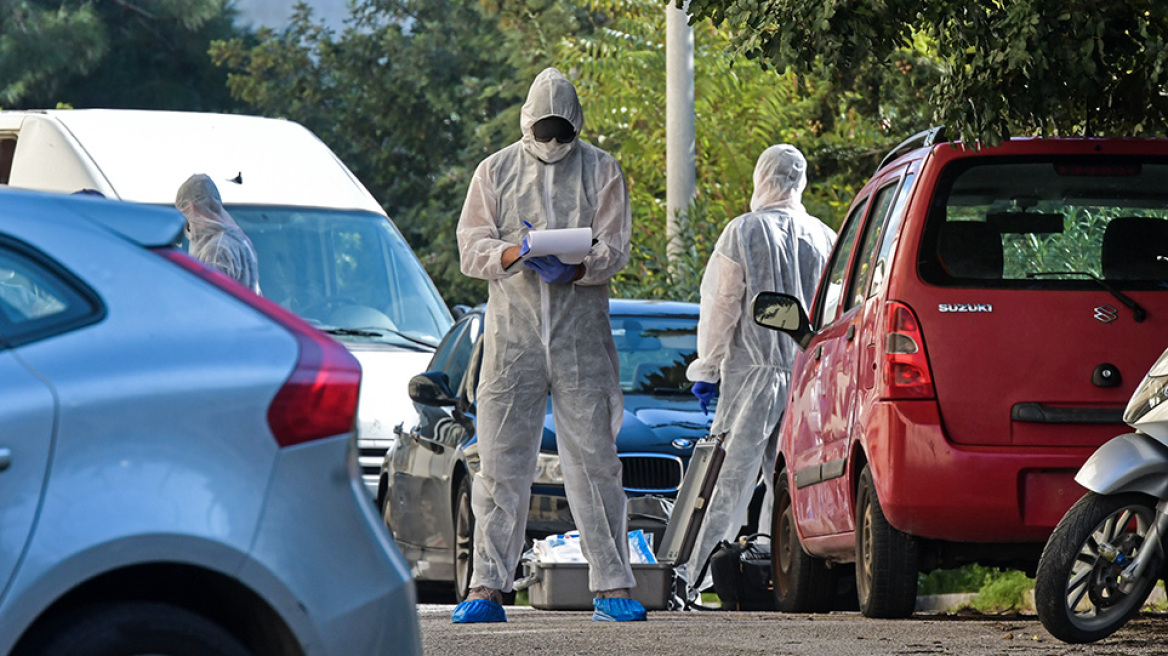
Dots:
pixel 518 259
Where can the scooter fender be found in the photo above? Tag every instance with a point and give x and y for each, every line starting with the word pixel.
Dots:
pixel 1132 462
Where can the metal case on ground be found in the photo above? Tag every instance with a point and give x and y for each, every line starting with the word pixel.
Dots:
pixel 564 586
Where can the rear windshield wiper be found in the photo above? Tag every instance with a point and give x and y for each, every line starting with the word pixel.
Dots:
pixel 1138 312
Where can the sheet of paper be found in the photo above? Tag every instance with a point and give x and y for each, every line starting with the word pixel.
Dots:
pixel 571 245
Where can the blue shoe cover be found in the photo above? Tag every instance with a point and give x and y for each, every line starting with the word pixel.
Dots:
pixel 618 610
pixel 478 610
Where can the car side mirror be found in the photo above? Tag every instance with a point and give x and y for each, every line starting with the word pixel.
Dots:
pixel 459 311
pixel 782 312
pixel 432 388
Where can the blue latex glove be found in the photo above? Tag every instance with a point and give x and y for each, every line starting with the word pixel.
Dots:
pixel 551 269
pixel 705 393
pixel 524 247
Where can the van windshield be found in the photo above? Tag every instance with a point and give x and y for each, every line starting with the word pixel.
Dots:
pixel 349 273
pixel 1051 222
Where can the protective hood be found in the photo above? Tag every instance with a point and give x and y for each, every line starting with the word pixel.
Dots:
pixel 779 179
pixel 215 238
pixel 551 94
pixel 198 199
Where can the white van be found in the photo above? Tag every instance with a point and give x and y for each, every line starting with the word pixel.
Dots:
pixel 327 251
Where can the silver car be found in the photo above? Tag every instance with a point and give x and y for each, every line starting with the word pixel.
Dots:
pixel 178 464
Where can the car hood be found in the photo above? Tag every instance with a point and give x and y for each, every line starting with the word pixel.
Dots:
pixel 385 388
pixel 651 425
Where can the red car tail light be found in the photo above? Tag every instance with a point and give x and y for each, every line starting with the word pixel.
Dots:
pixel 906 365
pixel 319 399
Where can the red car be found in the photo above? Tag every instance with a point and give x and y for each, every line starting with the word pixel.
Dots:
pixel 983 319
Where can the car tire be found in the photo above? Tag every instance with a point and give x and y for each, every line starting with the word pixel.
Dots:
pixel 802 583
pixel 132 627
pixel 464 525
pixel 886 559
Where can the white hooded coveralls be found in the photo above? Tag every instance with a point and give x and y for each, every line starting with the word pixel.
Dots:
pixel 541 338
pixel 215 238
pixel 777 246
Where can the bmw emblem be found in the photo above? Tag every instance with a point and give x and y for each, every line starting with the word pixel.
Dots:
pixel 682 443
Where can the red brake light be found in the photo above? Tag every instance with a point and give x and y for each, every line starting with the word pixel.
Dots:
pixel 319 399
pixel 906 365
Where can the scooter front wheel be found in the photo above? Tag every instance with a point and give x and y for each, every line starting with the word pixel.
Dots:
pixel 1077 588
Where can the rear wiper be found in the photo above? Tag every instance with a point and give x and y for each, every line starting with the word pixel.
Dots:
pixel 1138 312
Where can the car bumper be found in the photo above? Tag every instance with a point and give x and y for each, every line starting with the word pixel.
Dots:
pixel 932 488
pixel 348 589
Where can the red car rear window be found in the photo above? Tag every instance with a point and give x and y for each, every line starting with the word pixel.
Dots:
pixel 1043 223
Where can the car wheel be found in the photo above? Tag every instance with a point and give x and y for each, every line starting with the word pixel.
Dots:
pixel 135 627
pixel 886 559
pixel 464 524
pixel 803 584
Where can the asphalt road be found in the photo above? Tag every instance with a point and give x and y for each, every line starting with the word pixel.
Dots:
pixel 717 633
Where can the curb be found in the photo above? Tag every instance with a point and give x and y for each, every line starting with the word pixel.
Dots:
pixel 948 603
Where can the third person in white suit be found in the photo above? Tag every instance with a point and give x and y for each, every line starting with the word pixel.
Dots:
pixel 777 246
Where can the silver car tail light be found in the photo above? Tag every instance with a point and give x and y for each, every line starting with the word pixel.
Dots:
pixel 319 399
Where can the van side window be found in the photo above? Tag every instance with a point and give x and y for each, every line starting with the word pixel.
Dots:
pixel 831 288
pixel 858 283
pixel 7 150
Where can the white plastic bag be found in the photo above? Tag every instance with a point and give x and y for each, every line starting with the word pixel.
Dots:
pixel 565 548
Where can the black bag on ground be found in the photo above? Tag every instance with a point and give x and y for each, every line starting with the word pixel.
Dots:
pixel 742 574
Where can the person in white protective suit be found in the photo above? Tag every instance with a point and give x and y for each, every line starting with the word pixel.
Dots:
pixel 777 246
pixel 547 330
pixel 215 238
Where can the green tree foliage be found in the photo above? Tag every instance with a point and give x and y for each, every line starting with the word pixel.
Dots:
pixel 412 94
pixel 740 110
pixel 1003 67
pixel 148 54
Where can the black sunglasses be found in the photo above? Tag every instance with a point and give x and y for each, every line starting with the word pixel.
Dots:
pixel 559 138
pixel 553 127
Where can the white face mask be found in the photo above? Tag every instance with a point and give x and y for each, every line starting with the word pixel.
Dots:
pixel 548 152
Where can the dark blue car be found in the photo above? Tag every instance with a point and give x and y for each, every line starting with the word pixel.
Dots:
pixel 424 488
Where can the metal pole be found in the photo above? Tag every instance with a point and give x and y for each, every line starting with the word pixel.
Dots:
pixel 680 148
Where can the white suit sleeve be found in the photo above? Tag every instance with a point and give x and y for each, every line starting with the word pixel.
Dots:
pixel 480 249
pixel 723 287
pixel 611 227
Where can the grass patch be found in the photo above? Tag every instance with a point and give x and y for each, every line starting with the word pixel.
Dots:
pixel 997 590
pixel 1003 591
